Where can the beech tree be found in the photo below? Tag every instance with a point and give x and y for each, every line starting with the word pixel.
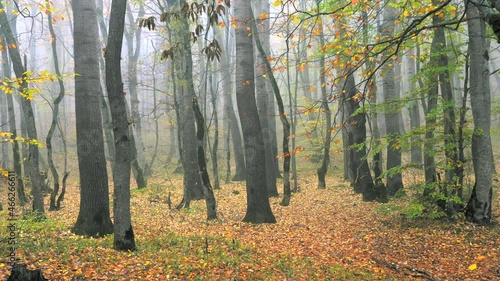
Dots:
pixel 94 216
pixel 258 208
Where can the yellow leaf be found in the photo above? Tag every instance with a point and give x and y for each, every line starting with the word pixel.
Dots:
pixel 277 3
pixel 473 266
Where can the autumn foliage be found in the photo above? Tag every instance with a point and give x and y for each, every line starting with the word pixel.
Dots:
pixel 323 235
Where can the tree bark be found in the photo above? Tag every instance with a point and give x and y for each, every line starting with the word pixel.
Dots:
pixel 18 164
pixel 258 207
pixel 123 232
pixel 392 116
pixel 479 205
pixel 20 71
pixel 287 191
pixel 55 112
pixel 94 216
pixel 325 108
pixel 262 96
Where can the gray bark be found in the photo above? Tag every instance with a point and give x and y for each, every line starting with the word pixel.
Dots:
pixel 392 115
pixel 479 205
pixel 19 70
pixel 258 207
pixel 94 216
pixel 262 92
pixel 123 232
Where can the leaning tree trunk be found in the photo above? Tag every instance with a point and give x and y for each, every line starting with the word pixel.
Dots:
pixel 18 165
pixel 479 205
pixel 258 207
pixel 94 216
pixel 20 71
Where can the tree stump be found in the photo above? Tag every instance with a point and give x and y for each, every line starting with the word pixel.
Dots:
pixel 21 273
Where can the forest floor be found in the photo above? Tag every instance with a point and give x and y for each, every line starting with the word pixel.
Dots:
pixel 323 235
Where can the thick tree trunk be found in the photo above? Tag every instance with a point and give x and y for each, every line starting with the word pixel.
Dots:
pixel 479 205
pixel 94 216
pixel 20 71
pixel 258 207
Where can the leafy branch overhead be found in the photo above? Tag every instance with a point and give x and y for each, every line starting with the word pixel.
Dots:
pixel 192 12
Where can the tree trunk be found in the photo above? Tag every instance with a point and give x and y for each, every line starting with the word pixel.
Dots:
pixel 479 205
pixel 325 108
pixel 123 232
pixel 287 192
pixel 183 64
pixel 215 146
pixel 205 178
pixel 29 117
pixel 232 129
pixel 138 149
pixel 18 164
pixel 356 135
pixel 4 123
pixel 416 142
pixel 258 207
pixel 55 111
pixel 94 216
pixel 392 116
pixel 262 93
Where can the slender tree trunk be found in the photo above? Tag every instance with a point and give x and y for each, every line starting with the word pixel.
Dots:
pixel 215 146
pixel 392 116
pixel 55 111
pixel 261 93
pixel 287 192
pixel 207 187
pixel 20 72
pixel 138 149
pixel 450 188
pixel 4 123
pixel 416 142
pixel 479 205
pixel 183 64
pixel 258 207
pixel 356 136
pixel 124 234
pixel 325 108
pixel 232 129
pixel 16 153
pixel 94 216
